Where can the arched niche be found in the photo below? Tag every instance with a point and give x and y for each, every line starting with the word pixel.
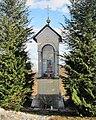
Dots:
pixel 48 61
pixel 47 43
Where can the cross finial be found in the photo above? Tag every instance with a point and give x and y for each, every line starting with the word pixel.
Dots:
pixel 48 20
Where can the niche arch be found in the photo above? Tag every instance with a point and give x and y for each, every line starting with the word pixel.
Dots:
pixel 48 61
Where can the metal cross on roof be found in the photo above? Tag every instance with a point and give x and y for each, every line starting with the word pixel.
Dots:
pixel 48 20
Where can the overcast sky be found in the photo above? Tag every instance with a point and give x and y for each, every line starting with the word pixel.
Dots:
pixel 38 12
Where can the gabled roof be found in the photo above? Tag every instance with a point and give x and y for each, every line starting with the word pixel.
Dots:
pixel 60 38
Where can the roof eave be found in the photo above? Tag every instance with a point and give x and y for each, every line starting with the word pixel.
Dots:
pixel 34 37
pixel 60 39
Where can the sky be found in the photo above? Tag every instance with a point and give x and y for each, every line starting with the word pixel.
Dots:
pixel 39 12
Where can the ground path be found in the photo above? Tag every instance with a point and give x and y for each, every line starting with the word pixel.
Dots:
pixel 12 115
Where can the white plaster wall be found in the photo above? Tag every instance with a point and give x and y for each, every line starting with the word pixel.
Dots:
pixel 47 36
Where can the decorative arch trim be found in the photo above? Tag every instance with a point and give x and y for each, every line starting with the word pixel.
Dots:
pixel 45 44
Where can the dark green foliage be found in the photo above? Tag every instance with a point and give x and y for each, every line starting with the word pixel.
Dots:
pixel 81 60
pixel 15 70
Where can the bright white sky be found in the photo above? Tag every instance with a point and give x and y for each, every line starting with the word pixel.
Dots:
pixel 39 13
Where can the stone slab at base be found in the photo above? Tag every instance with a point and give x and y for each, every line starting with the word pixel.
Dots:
pixel 48 101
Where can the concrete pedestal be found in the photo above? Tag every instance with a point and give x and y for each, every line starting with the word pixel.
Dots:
pixel 48 95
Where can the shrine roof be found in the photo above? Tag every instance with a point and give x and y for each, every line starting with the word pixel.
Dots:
pixel 60 38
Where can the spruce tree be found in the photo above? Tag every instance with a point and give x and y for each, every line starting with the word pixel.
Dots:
pixel 15 69
pixel 80 62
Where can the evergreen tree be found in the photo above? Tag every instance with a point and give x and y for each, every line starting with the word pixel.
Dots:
pixel 15 69
pixel 80 63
